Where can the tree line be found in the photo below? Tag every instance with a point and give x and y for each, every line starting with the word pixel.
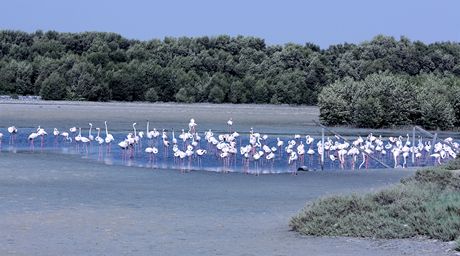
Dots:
pixel 99 66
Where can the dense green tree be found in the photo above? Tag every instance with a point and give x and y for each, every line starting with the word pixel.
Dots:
pixel 335 102
pixel 54 87
pixel 151 95
pixel 216 94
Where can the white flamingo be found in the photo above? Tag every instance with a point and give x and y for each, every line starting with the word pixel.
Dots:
pixel 108 137
pixel 90 135
pixel 41 132
pixel 32 138
pixel 13 131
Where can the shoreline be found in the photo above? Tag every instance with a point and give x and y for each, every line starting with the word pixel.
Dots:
pixel 297 118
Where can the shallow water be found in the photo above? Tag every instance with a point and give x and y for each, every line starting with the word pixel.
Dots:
pixel 113 155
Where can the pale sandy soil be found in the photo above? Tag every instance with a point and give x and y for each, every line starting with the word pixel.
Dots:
pixel 161 115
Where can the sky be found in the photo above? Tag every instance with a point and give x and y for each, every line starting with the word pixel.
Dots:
pixel 323 22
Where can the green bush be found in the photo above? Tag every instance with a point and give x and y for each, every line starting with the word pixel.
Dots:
pixel 53 87
pixel 428 204
pixel 334 102
pixel 453 164
pixel 216 95
pixel 386 100
pixel 441 177
pixel 151 95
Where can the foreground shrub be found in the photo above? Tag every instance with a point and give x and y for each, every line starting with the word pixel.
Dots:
pixel 453 164
pixel 428 204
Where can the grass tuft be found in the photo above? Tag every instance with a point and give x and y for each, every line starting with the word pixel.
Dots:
pixel 426 204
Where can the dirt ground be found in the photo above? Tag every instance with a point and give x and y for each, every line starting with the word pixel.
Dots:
pixel 64 205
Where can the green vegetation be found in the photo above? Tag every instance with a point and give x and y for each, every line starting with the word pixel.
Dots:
pixel 427 204
pixel 377 83
pixel 384 99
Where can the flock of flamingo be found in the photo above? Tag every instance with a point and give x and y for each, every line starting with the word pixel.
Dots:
pixel 256 152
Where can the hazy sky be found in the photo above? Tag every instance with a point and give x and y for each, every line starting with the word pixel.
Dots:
pixel 323 22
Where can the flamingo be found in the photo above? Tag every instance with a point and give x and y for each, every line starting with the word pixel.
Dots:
pixel 85 141
pixel 108 137
pixel 78 137
pixel 311 152
pixel 90 136
pixel 124 146
pixel 66 136
pixel 98 138
pixel 13 131
pixel 152 151
pixel 73 130
pixel 271 158
pixel 230 124
pixel 99 141
pixel 56 134
pixel 174 140
pixel 148 133
pixel 396 152
pixel 166 146
pixel 41 132
pixel 192 125
pixel 136 137
pixel 437 157
pixel 32 138
pixel 309 140
pixel 256 158
pixel 292 160
pixel 82 139
pixel 200 153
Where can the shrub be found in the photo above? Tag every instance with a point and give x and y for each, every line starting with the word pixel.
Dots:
pixel 151 95
pixel 453 164
pixel 439 176
pixel 385 100
pixel 216 95
pixel 334 102
pixel 53 87
pixel 377 101
pixel 428 204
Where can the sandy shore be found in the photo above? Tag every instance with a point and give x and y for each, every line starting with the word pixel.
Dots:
pixel 64 205
pixel 161 115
